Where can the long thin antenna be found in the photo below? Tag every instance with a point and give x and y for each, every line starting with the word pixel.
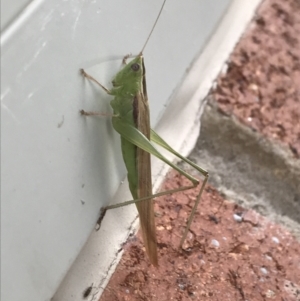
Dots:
pixel 153 26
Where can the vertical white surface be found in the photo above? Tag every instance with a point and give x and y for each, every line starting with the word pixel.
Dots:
pixel 59 168
pixel 10 10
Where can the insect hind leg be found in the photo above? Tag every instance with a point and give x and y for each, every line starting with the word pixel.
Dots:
pixel 194 209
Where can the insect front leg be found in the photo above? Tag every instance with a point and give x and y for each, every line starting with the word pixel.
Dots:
pixel 84 113
pixel 83 73
pixel 125 58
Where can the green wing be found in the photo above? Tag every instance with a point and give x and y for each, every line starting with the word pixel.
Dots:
pixel 134 136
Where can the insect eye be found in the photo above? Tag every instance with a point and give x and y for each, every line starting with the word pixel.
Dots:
pixel 135 67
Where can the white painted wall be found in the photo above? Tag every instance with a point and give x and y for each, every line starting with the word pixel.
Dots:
pixel 10 10
pixel 58 168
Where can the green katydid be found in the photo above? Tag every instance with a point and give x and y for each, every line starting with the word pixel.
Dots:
pixel 131 120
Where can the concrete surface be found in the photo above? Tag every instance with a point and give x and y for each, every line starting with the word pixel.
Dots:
pixel 249 169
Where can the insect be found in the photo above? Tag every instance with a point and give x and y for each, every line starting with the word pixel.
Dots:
pixel 131 119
